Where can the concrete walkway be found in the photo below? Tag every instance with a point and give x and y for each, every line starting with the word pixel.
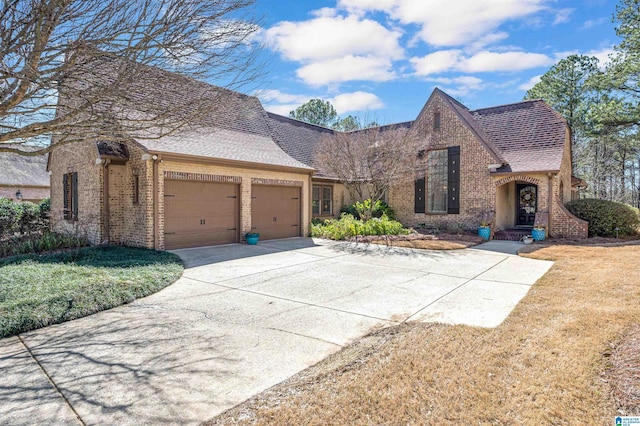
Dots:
pixel 240 320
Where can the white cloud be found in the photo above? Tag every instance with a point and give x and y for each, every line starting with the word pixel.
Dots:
pixel 483 61
pixel 282 103
pixel 272 95
pixel 356 101
pixel 593 23
pixel 437 62
pixel 450 23
pixel 603 55
pixel 349 68
pixel 530 83
pixel 504 61
pixel 330 37
pixel 459 86
pixel 563 16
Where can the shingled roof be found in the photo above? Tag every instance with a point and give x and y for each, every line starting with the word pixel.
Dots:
pixel 527 136
pixel 218 123
pixel 19 170
pixel 297 138
pixel 530 135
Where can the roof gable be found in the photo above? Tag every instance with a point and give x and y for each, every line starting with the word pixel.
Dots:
pixel 467 119
pixel 530 135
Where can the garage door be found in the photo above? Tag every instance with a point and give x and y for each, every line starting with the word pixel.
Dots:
pixel 200 213
pixel 275 211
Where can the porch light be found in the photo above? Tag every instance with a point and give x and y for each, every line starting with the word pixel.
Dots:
pixel 18 195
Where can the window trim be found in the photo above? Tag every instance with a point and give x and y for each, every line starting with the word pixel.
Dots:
pixel 321 199
pixel 429 181
pixel 437 120
pixel 70 196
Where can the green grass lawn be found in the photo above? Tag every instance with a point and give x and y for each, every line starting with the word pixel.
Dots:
pixel 40 290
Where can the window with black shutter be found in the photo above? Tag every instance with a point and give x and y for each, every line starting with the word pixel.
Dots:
pixel 70 196
pixel 453 177
pixel 419 203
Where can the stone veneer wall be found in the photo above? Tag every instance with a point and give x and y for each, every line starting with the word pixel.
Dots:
pixel 477 191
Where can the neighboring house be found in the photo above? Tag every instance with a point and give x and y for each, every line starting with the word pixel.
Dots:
pixel 241 169
pixel 23 178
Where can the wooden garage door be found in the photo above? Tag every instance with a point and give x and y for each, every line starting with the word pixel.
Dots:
pixel 200 213
pixel 275 211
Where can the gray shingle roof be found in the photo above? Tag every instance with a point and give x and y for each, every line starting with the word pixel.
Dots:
pixel 20 170
pixel 220 123
pixel 297 138
pixel 530 135
pixel 225 144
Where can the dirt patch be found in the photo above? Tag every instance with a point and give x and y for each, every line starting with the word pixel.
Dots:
pixel 546 364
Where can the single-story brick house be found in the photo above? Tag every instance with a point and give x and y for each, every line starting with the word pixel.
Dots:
pixel 23 178
pixel 241 169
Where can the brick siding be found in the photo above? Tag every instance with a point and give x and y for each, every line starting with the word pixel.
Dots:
pixel 477 191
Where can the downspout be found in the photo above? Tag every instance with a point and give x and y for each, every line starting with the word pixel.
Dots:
pixel 156 214
pixel 550 201
pixel 105 201
pixel 309 203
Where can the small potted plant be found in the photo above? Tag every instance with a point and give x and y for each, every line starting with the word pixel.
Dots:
pixel 484 230
pixel 252 238
pixel 538 233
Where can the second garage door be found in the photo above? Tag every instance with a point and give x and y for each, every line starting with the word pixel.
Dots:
pixel 200 213
pixel 275 211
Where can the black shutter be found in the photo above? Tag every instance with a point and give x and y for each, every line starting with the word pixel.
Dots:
pixel 419 195
pixel 453 184
pixel 74 189
pixel 65 196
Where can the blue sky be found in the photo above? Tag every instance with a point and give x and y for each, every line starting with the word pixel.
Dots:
pixel 380 59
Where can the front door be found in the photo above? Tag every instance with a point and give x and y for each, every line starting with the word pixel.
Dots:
pixel 526 204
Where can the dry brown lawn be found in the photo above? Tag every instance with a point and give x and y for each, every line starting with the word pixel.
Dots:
pixel 552 362
pixel 442 241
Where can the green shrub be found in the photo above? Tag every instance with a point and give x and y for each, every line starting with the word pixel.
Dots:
pixel 38 243
pixel 605 216
pixel 377 208
pixel 8 217
pixel 348 226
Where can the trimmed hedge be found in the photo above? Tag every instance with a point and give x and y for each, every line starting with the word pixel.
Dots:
pixel 605 216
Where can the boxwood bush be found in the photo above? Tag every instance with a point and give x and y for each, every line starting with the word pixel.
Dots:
pixel 348 226
pixel 605 216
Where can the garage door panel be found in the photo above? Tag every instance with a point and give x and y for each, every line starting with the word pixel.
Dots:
pixel 275 211
pixel 200 213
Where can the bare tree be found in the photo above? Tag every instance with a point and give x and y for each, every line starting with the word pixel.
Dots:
pixel 368 162
pixel 71 69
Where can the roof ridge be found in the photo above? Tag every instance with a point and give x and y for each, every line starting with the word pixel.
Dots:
pixel 295 121
pixel 508 105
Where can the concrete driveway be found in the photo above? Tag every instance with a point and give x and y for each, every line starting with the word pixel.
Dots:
pixel 240 320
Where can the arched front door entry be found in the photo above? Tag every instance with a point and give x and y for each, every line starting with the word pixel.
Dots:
pixel 526 204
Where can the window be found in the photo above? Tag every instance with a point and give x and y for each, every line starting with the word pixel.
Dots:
pixel 70 195
pixel 322 200
pixel 136 189
pixel 436 121
pixel 437 181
